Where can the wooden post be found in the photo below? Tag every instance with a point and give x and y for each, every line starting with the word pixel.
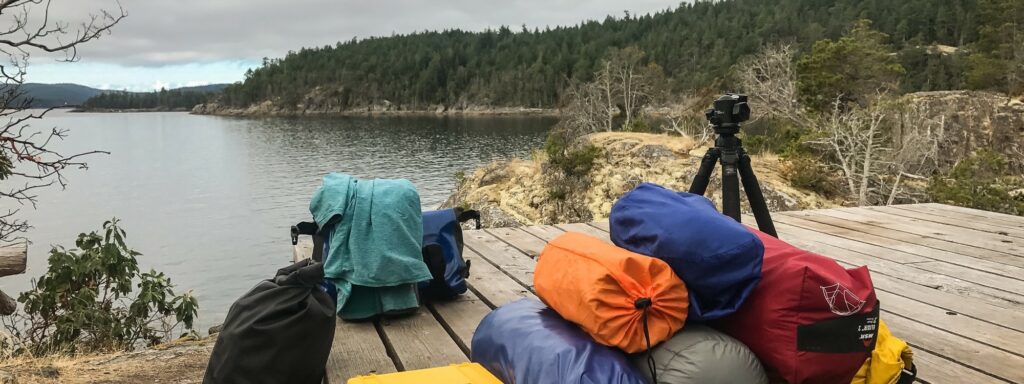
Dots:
pixel 13 259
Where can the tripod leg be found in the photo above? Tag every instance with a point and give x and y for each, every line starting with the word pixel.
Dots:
pixel 703 176
pixel 756 198
pixel 730 191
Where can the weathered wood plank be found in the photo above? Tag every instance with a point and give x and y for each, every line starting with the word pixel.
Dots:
pixel 602 225
pixel 995 217
pixel 13 258
pixel 909 238
pixel 1005 339
pixel 545 232
pixel 460 317
pixel 970 237
pixel 585 229
pixel 510 260
pixel 807 239
pixel 953 218
pixel 357 350
pixel 893 247
pixel 938 370
pixel 419 342
pixel 982 357
pixel 963 270
pixel 491 284
pixel 520 239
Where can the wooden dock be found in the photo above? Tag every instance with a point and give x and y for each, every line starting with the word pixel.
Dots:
pixel 950 280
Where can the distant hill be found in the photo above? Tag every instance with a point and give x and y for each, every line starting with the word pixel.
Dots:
pixel 70 95
pixel 58 95
pixel 202 88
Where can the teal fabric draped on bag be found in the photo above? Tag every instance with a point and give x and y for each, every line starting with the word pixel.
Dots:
pixel 373 233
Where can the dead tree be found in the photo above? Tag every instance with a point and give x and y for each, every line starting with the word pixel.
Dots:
pixel 27 161
pixel 857 142
pixel 769 78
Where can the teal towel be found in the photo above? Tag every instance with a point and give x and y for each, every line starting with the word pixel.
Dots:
pixel 374 232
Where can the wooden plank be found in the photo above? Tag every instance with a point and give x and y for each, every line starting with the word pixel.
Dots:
pixel 890 247
pixel 357 350
pixel 908 238
pixel 544 232
pixel 13 258
pixel 491 284
pixel 602 225
pixel 982 278
pixel 948 301
pixel 953 218
pixel 585 229
pixel 1002 218
pixel 460 317
pixel 1007 340
pixel 419 342
pixel 987 359
pixel 806 239
pixel 519 239
pixel 970 237
pixel 513 262
pixel 934 369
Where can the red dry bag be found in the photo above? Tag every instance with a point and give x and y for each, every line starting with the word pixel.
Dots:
pixel 809 320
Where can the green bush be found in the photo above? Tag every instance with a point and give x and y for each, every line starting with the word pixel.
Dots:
pixel 807 173
pixel 95 298
pixel 573 159
pixel 980 182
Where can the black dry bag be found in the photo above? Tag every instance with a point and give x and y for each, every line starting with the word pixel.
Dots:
pixel 279 332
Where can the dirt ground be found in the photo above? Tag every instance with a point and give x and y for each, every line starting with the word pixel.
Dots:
pixel 178 362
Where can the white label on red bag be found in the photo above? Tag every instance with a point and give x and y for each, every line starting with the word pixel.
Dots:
pixel 841 300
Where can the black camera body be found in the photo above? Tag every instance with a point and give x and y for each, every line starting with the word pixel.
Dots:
pixel 728 112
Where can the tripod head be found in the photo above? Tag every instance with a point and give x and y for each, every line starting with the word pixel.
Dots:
pixel 728 112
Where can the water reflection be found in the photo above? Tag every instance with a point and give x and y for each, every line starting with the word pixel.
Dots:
pixel 208 200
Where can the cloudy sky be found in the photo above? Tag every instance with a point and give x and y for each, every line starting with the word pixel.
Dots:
pixel 195 42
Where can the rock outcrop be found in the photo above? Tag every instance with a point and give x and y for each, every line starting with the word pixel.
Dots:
pixel 969 120
pixel 527 192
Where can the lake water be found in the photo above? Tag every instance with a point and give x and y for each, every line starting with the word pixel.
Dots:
pixel 209 200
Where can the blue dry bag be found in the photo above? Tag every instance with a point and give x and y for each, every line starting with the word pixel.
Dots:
pixel 717 258
pixel 442 252
pixel 527 342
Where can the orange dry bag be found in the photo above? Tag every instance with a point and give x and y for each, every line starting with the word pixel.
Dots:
pixel 619 297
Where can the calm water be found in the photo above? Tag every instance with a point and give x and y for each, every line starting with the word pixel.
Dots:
pixel 209 200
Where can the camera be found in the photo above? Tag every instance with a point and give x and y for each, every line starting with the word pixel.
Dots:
pixel 728 112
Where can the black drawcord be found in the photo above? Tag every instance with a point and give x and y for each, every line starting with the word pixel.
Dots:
pixel 644 303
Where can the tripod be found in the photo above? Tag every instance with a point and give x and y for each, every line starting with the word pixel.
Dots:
pixel 728 112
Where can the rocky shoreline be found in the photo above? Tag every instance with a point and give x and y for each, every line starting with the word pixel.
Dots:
pixel 127 110
pixel 268 109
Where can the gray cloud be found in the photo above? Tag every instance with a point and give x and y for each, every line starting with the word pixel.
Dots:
pixel 163 32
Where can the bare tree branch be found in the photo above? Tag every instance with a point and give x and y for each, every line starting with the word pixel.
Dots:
pixel 28 160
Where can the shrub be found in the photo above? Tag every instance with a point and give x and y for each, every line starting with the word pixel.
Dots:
pixel 573 159
pixel 980 182
pixel 805 172
pixel 95 298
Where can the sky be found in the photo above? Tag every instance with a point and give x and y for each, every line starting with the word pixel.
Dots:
pixel 196 42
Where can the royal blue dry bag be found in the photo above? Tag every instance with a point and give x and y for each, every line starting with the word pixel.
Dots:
pixel 527 342
pixel 442 252
pixel 717 258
